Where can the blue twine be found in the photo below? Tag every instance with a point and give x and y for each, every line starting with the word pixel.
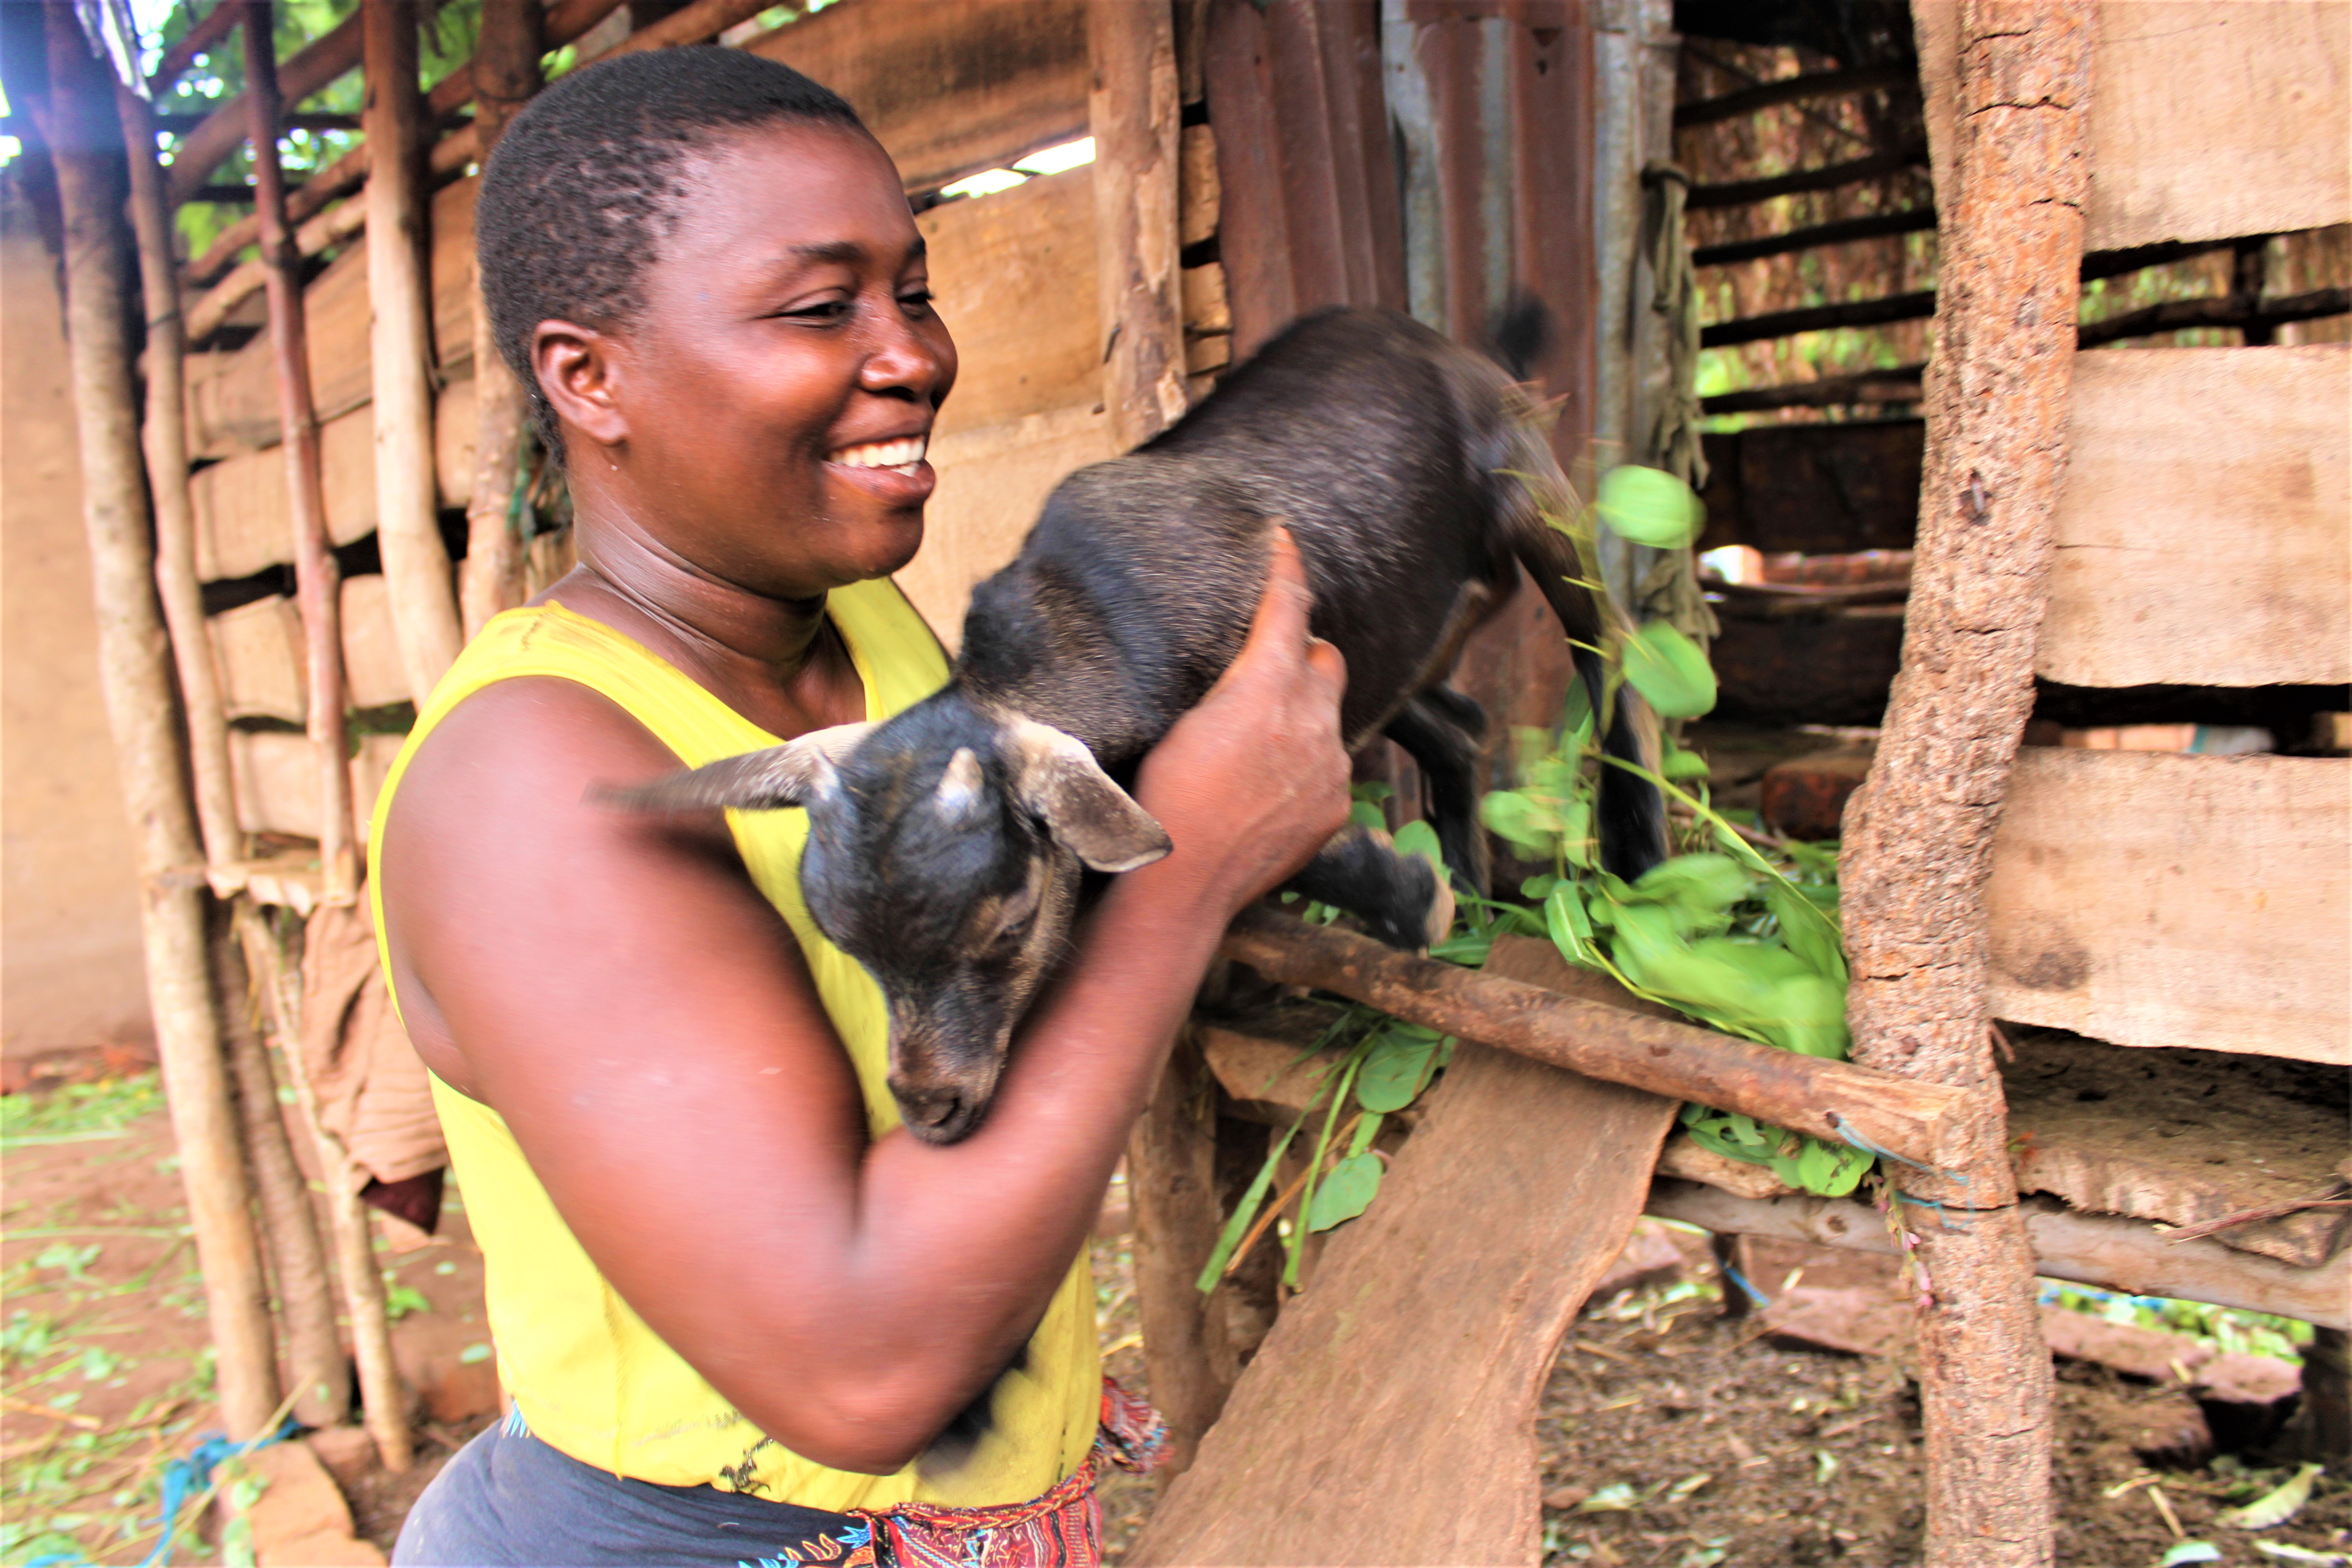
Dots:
pixel 181 1477
pixel 1737 1277
pixel 1846 1132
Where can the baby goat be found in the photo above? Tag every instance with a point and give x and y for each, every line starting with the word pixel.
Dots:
pixel 947 847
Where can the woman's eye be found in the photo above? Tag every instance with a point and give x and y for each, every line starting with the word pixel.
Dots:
pixel 823 311
pixel 916 303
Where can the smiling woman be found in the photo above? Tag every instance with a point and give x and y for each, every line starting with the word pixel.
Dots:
pixel 741 1314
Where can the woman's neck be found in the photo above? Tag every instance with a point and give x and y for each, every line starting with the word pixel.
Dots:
pixel 776 661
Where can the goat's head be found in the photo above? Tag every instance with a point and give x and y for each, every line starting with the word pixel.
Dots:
pixel 944 854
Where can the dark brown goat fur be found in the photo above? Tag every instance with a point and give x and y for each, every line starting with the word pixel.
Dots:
pixel 946 845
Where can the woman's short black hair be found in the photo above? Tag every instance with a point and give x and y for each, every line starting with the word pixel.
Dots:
pixel 579 191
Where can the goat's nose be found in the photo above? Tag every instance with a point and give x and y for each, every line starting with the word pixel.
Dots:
pixel 932 1113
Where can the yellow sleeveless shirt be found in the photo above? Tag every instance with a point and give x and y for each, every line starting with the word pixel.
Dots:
pixel 584 1370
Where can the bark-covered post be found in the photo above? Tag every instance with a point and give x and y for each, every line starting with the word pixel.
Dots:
pixel 400 347
pixel 318 581
pixel 81 125
pixel 1132 110
pixel 313 1348
pixel 506 74
pixel 1171 1187
pixel 1919 837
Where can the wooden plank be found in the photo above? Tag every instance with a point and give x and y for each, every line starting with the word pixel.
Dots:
pixel 2209 120
pixel 948 87
pixel 1815 489
pixel 2124 1254
pixel 242 521
pixel 276 776
pixel 2155 900
pixel 258 650
pixel 373 675
pixel 2205 529
pixel 995 261
pixel 992 481
pixel 2219 117
pixel 1390 1418
pixel 1835 668
pixel 232 397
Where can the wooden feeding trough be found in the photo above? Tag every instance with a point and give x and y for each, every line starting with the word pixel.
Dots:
pixel 2101 536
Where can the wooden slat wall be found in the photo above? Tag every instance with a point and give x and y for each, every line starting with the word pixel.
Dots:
pixel 2208 118
pixel 2158 900
pixel 949 87
pixel 1016 281
pixel 2205 529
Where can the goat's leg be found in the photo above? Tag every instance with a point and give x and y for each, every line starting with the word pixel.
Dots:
pixel 1398 897
pixel 1442 730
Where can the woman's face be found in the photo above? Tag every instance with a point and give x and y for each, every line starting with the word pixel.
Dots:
pixel 767 415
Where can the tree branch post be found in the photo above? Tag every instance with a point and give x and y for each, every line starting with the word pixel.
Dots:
pixel 1918 836
pixel 314 1349
pixel 318 581
pixel 137 682
pixel 400 349
pixel 1133 113
pixel 506 74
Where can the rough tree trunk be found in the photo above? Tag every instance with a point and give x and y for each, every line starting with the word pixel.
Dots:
pixel 1919 837
pixel 137 682
pixel 1133 111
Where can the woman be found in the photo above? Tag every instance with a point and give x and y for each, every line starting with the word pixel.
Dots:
pixel 739 1316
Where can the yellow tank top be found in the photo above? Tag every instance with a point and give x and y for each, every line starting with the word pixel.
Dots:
pixel 586 1373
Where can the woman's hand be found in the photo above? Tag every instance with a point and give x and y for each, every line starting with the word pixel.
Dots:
pixel 1252 782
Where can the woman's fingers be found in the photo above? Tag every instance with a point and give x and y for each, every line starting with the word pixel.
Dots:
pixel 1279 635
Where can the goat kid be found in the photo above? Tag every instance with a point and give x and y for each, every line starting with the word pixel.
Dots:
pixel 948 847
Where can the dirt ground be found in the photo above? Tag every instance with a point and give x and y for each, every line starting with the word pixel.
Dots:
pixel 1672 1434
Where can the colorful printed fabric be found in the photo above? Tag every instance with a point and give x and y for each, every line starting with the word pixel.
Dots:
pixel 1060 1529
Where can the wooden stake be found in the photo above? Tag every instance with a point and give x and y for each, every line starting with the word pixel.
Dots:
pixel 1919 834
pixel 1172 1183
pixel 138 687
pixel 384 1400
pixel 506 74
pixel 1133 113
pixel 320 1371
pixel 317 580
pixel 314 1350
pixel 400 349
pixel 167 479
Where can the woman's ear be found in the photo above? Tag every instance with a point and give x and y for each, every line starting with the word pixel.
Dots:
pixel 580 372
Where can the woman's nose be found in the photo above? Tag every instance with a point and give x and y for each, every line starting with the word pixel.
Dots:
pixel 905 360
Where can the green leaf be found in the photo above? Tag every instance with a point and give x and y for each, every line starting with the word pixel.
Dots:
pixel 1346 1192
pixel 1570 928
pixel 1669 671
pixel 477 1352
pixel 1418 837
pixel 1682 764
pixel 1395 1067
pixel 1649 506
pixel 1696 884
pixel 2183 1552
pixel 1517 817
pixel 1577 842
pixel 1367 1129
pixel 2272 1508
pixel 1364 814
pixel 1808 934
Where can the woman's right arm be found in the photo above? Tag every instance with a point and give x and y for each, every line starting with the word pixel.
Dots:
pixel 620 993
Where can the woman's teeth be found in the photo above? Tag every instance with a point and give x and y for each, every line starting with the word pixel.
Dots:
pixel 900 455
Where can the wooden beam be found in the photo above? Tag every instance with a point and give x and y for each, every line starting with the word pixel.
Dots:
pixel 1919 834
pixel 2239 310
pixel 136 680
pixel 209 30
pixel 1899 384
pixel 1132 110
pixel 1917 1121
pixel 1829 177
pixel 1844 231
pixel 506 75
pixel 2159 899
pixel 1795 90
pixel 400 349
pixel 307 70
pixel 2123 1255
pixel 2206 520
pixel 1820 317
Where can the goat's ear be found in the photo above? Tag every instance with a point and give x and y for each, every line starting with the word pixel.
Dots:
pixel 794 773
pixel 1058 780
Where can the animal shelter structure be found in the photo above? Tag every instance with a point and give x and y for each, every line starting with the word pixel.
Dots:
pixel 2101 994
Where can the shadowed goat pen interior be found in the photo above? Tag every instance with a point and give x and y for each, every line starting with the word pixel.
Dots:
pixel 2000 354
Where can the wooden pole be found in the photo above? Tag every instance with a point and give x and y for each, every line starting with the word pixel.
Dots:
pixel 383 1402
pixel 166 436
pixel 1913 1121
pixel 506 74
pixel 1918 836
pixel 1133 113
pixel 317 580
pixel 314 1351
pixel 138 706
pixel 400 349
pixel 320 1369
pixel 1171 1165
